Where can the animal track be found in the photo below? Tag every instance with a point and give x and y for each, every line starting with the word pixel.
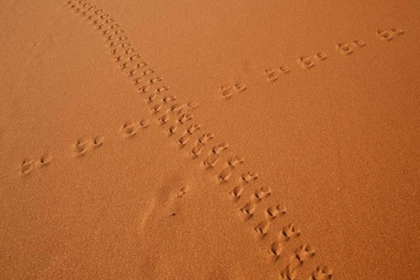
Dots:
pixel 129 129
pixel 249 176
pixel 192 128
pixel 237 192
pixel 263 227
pixel 273 74
pixel 262 193
pixel 219 148
pixel 181 192
pixel 184 139
pixel 169 98
pixel 276 248
pixel 184 118
pixel 388 35
pixel 84 145
pixel 45 159
pixel 249 209
pixel 205 138
pixel 211 159
pixel 225 175
pixel 234 161
pixel 29 164
pixel 143 77
pixel 322 273
pixel 344 48
pixel 289 231
pixel 306 62
pixel 304 252
pixel 274 211
pixel 228 91
pixel 196 150
pixel 348 48
pixel 98 141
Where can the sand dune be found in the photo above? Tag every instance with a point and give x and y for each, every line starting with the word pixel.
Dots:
pixel 209 140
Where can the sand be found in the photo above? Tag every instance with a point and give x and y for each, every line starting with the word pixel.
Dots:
pixel 209 139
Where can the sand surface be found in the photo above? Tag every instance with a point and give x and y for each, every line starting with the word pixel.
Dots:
pixel 183 139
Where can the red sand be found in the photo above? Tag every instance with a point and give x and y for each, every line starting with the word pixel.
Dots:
pixel 209 140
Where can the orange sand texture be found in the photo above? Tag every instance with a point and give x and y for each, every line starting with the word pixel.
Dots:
pixel 242 139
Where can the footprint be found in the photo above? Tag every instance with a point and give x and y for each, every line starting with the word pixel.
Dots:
pixel 271 75
pixel 249 209
pixel 219 148
pixel 109 37
pixel 290 231
pixel 321 56
pixel 184 118
pixel 249 176
pixel 240 87
pixel 225 175
pixel 169 98
pixel 123 38
pixel 164 119
pixel 274 211
pixel 176 107
pixel 211 159
pixel 129 129
pixel 192 128
pixel 276 248
pixel 344 48
pixel 262 193
pixel 290 271
pixel 284 69
pixel 144 89
pixel 205 138
pixel 305 62
pixel 119 58
pixel 119 31
pixel 234 161
pixel 192 105
pixel 162 89
pixel 322 273
pixel 150 98
pixel 155 109
pixel 359 43
pixel 385 35
pixel 131 72
pixel 226 91
pixel 45 159
pixel 82 146
pixel 237 192
pixel 181 192
pixel 171 130
pixel 144 123
pixel 138 80
pixel 263 227
pixel 142 64
pixel 134 57
pixel 98 141
pixel 197 149
pixel 304 252
pixel 397 31
pixel 155 80
pixel 26 166
pixel 130 50
pixel 184 139
pixel 125 44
